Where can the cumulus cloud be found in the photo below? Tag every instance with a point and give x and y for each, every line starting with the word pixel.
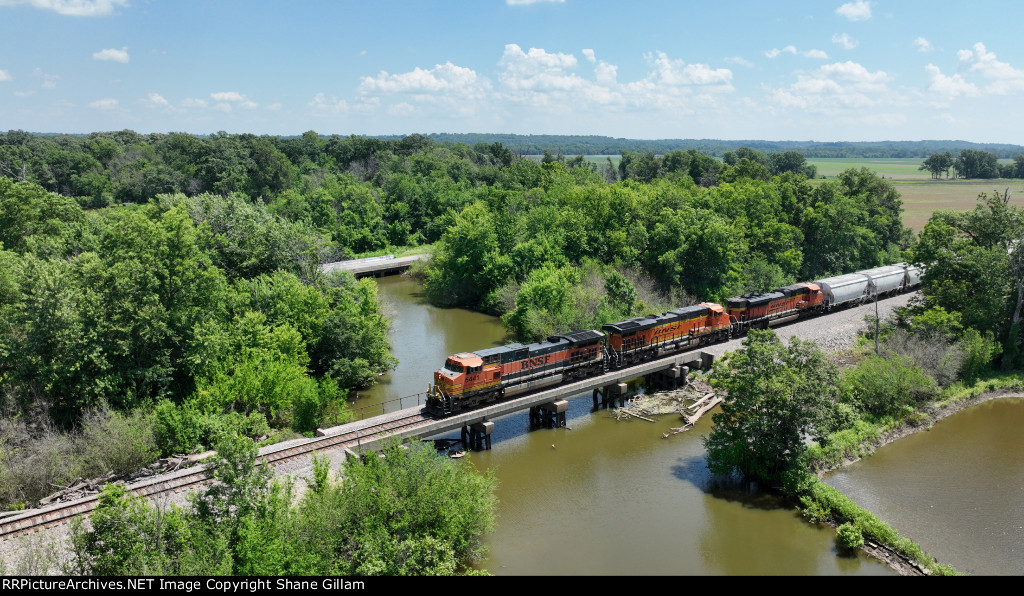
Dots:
pixel 193 102
pixel 155 100
pixel 589 55
pixel 442 79
pixel 947 86
pixel 5 76
pixel 835 86
pixel 844 40
pixel 321 103
pixel 855 11
pixel 923 45
pixel 75 8
pixel 775 52
pixel 112 55
pixel 1003 78
pixel 104 104
pixel 228 99
pixel 738 60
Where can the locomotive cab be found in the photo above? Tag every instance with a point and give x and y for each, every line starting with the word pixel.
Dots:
pixel 458 371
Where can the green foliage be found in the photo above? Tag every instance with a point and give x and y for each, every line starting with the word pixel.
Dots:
pixel 130 537
pixel 849 536
pixel 186 428
pixel 889 386
pixel 775 395
pixel 117 442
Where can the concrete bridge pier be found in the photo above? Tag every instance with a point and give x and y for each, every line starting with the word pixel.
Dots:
pixel 670 378
pixel 610 395
pixel 477 436
pixel 549 415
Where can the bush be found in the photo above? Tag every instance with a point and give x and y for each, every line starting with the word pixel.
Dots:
pixel 849 536
pixel 888 386
pixel 115 442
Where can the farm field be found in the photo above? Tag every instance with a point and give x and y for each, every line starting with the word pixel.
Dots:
pixel 920 193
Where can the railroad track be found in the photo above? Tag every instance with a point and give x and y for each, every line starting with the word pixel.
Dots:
pixel 347 437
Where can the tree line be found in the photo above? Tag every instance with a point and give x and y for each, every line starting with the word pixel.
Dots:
pixel 970 163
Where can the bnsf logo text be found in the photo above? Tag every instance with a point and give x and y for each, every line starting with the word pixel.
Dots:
pixel 535 362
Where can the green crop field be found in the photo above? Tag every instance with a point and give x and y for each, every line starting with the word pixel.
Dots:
pixel 921 194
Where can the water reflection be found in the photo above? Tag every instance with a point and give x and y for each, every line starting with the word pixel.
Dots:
pixel 602 497
pixel 957 489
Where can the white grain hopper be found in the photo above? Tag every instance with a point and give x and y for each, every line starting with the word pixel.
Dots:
pixel 843 289
pixel 886 280
pixel 913 276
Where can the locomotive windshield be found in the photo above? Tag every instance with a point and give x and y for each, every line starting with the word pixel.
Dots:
pixel 453 366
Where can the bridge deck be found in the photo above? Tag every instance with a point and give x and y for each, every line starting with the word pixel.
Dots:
pixel 432 427
pixel 376 266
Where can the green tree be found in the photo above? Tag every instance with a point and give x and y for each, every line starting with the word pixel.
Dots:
pixel 937 163
pixel 775 395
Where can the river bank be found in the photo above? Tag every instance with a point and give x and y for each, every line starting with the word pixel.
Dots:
pixel 932 414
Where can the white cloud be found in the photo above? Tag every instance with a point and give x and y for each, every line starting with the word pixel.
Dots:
pixel 775 52
pixel 193 102
pixel 521 2
pixel 1004 79
pixel 589 55
pixel 855 11
pixel 834 87
pixel 923 45
pixel 226 96
pixel 113 55
pixel 321 103
pixel 949 87
pixel 232 96
pixel 155 100
pixel 401 109
pixel 443 78
pixel 5 76
pixel 104 104
pixel 844 40
pixel 49 80
pixel 738 60
pixel 76 8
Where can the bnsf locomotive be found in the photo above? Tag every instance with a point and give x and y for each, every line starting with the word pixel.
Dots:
pixel 472 378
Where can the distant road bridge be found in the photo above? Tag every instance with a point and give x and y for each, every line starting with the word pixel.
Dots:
pixel 375 266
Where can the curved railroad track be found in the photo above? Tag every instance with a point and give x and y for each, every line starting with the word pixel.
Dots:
pixel 189 478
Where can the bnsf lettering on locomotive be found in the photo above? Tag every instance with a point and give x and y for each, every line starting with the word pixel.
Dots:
pixel 536 362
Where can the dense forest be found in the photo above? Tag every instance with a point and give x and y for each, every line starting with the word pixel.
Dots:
pixel 162 293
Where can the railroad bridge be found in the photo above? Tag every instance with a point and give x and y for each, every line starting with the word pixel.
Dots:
pixel 548 404
pixel 374 266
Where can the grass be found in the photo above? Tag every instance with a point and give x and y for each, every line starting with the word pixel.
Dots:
pixel 922 195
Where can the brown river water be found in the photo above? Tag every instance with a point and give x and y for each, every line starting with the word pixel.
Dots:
pixel 602 497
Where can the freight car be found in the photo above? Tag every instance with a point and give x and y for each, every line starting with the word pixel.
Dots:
pixel 470 379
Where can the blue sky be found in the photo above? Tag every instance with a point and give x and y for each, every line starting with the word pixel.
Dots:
pixel 778 70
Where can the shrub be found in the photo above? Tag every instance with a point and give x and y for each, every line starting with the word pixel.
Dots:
pixel 116 442
pixel 849 536
pixel 888 386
